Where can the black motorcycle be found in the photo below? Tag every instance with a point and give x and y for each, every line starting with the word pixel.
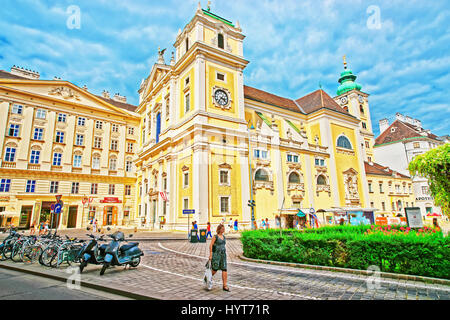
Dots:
pixel 93 253
pixel 116 255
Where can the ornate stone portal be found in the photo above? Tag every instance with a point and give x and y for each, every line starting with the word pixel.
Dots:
pixel 351 187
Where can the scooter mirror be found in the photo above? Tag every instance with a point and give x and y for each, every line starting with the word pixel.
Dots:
pixel 131 236
pixel 108 228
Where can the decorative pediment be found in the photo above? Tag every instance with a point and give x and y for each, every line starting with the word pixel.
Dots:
pixel 64 92
pixel 158 72
pixel 225 166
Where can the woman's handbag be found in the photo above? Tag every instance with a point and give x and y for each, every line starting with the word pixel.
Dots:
pixel 207 280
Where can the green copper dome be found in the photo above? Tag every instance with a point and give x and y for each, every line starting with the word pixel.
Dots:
pixel 347 81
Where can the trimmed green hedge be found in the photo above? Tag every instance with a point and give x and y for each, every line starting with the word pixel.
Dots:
pixel 348 247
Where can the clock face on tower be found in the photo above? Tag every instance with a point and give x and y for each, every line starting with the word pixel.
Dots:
pixel 221 97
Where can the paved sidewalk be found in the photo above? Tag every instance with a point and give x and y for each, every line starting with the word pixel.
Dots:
pixel 174 270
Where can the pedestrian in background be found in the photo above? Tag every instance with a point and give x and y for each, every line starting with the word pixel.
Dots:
pixel 267 223
pixel 208 230
pixel 218 256
pixel 236 225
pixel 255 225
pixel 32 229
pixel 263 224
pixel 436 224
pixel 94 225
pixel 230 224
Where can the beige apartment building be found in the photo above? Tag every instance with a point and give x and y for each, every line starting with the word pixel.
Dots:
pixel 59 139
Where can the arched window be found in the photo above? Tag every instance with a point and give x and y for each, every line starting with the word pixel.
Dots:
pixel 321 181
pixel 343 142
pixel 221 41
pixel 294 178
pixel 261 175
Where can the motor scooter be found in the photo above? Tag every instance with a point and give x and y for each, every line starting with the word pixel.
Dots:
pixel 93 253
pixel 116 255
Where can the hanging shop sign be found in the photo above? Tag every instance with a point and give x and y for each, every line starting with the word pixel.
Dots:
pixel 110 200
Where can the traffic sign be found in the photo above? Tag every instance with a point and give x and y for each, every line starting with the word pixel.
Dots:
pixel 58 208
pixel 58 197
pixel 188 211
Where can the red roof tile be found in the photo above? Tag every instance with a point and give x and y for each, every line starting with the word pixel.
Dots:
pixel 265 97
pixel 317 100
pixel 398 131
pixel 378 169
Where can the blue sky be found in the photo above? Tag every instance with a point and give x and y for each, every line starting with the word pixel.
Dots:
pixel 291 45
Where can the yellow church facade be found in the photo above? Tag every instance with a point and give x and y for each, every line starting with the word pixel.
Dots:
pixel 212 144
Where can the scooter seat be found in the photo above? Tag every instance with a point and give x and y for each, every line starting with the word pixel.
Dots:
pixel 103 247
pixel 128 246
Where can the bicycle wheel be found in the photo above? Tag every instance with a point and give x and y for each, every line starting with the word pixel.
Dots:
pixel 36 253
pixel 7 250
pixel 49 254
pixel 16 252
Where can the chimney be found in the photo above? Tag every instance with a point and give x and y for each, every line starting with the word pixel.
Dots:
pixel 400 117
pixel 85 88
pixel 417 123
pixel 384 124
pixel 105 94
pixel 22 72
pixel 117 97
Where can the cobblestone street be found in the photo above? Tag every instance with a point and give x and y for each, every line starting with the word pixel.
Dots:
pixel 174 270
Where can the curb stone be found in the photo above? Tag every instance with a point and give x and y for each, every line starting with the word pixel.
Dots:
pixel 353 271
pixel 87 284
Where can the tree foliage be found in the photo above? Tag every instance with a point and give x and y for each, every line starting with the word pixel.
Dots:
pixel 435 166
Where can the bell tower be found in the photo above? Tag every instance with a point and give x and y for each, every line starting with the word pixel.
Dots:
pixel 356 102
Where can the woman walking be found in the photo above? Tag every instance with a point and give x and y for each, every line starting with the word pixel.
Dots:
pixel 218 255
pixel 208 230
pixel 236 226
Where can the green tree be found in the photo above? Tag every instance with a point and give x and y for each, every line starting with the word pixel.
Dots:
pixel 435 166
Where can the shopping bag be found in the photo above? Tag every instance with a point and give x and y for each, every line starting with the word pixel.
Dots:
pixel 208 275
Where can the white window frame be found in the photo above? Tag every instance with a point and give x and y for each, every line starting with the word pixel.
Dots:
pixel 16 130
pixel 96 163
pixel 62 117
pixel 35 156
pixel 187 102
pixel 77 160
pixel 41 114
pixel 98 124
pixel 59 158
pixel 75 188
pixel 184 203
pixel 114 127
pixel 30 186
pixel 114 145
pixel 228 212
pixel 98 141
pixel 59 137
pixel 129 166
pixel 40 134
pixel 81 121
pixel 10 154
pixel 17 109
pixel 185 186
pixel 111 162
pixel 79 141
pixel 227 183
